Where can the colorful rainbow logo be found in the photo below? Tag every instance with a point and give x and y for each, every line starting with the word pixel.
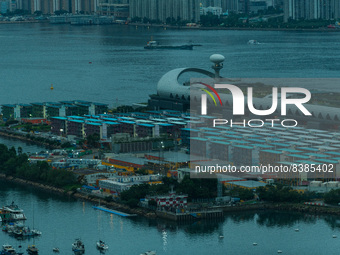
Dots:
pixel 209 93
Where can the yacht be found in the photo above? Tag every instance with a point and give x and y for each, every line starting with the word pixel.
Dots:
pixel 78 246
pixel 8 249
pixel 11 213
pixel 102 245
pixel 32 249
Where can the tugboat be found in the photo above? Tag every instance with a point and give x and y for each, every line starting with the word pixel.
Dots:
pixel 154 45
pixel 78 246
pixel 32 249
pixel 102 245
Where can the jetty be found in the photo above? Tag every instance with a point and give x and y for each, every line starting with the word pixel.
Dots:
pixel 102 208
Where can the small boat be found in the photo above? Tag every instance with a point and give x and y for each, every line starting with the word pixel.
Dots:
pixel 254 42
pixel 334 236
pixel 32 249
pixel 254 244
pixel 55 249
pixel 78 246
pixel 149 253
pixel 7 249
pixel 279 251
pixel 155 45
pixel 102 245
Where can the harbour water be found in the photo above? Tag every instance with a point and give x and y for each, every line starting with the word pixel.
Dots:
pixel 108 64
pixel 61 220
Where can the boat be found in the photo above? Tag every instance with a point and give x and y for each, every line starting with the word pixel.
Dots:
pixel 12 213
pixel 7 249
pixel 102 245
pixel 149 253
pixel 78 246
pixel 253 42
pixel 154 45
pixel 32 249
pixel 19 230
pixel 55 249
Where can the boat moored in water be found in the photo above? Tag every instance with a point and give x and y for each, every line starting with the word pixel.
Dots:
pixel 78 246
pixel 32 249
pixel 12 213
pixel 7 249
pixel 102 245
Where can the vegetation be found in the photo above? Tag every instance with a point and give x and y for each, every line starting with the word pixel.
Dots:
pixel 333 197
pixel 280 193
pixel 17 165
pixel 243 194
pixel 195 188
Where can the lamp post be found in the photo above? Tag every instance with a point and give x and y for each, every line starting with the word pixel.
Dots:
pixel 161 147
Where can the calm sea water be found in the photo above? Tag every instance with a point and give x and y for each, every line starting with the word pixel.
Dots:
pixel 62 220
pixel 109 64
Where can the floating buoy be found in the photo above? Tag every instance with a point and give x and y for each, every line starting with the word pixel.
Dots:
pixel 90 62
pixel 52 87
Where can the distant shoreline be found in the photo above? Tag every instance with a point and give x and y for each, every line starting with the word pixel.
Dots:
pixel 322 29
pixel 288 207
pixel 236 28
pixel 23 22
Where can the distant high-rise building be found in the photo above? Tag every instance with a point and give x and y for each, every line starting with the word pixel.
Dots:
pixel 230 6
pixel 311 9
pixel 117 8
pixel 162 9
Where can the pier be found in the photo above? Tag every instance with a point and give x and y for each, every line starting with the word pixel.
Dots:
pixel 114 211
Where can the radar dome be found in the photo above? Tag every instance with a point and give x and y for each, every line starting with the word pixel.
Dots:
pixel 217 58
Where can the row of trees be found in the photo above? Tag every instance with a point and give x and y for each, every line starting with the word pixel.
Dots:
pixel 195 188
pixel 17 165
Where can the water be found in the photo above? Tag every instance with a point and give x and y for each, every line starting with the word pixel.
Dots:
pixel 26 147
pixel 61 220
pixel 109 64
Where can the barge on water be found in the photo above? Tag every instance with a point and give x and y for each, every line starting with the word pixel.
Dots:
pixel 154 45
